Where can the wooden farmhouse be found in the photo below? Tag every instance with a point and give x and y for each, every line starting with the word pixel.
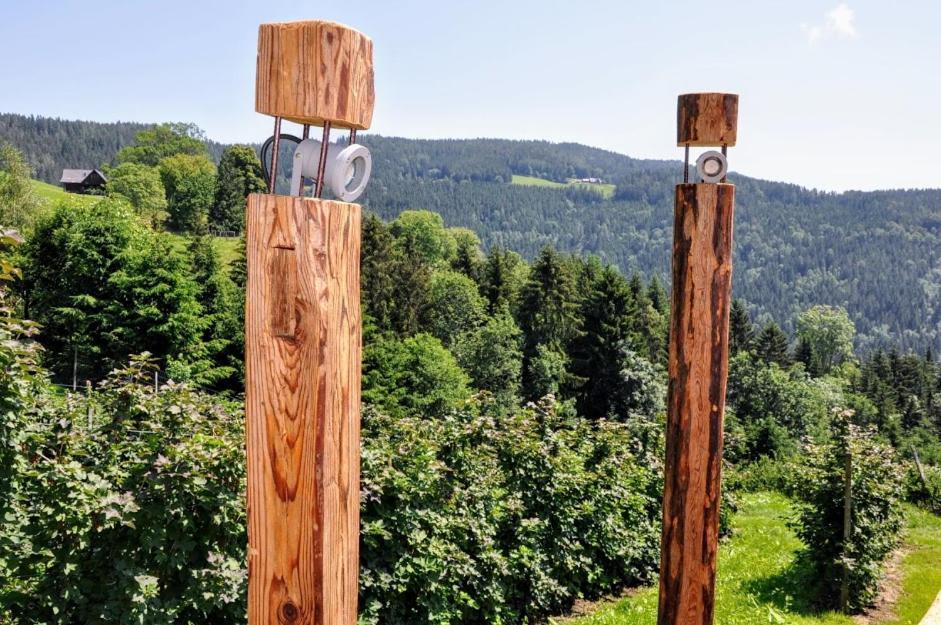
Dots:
pixel 82 180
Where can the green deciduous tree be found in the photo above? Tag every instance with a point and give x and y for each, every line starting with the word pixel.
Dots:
pixel 142 187
pixel 415 376
pixel 239 174
pixel 105 286
pixel 422 236
pixel 19 204
pixel 827 333
pixel 492 356
pixel 190 183
pixel 155 144
pixel 775 408
pixel 546 372
pixel 454 306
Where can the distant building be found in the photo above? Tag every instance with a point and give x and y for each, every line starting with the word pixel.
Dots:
pixel 82 180
pixel 590 180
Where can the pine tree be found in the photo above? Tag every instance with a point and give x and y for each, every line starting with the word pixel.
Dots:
pixel 741 330
pixel 502 279
pixel 658 296
pixel 771 345
pixel 548 312
pixel 469 260
pixel 239 174
pixel 608 316
pixel 549 302
pixel 377 284
pixel 221 364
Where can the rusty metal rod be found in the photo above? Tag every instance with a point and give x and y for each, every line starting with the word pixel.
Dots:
pixel 352 136
pixel 686 165
pixel 322 164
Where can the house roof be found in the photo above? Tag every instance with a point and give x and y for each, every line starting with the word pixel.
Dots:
pixel 79 175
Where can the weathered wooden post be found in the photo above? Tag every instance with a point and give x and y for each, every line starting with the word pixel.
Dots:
pixel 698 369
pixel 302 334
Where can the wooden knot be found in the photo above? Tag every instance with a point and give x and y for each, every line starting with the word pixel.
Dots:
pixel 288 613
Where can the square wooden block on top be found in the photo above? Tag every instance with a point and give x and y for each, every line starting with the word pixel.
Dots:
pixel 706 119
pixel 313 72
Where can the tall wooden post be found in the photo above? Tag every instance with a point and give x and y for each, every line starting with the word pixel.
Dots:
pixel 302 346
pixel 698 368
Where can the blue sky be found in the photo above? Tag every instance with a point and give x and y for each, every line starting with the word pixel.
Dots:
pixel 835 95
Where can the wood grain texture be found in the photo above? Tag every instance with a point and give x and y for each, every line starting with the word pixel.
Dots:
pixel 707 119
pixel 302 402
pixel 315 71
pixel 698 371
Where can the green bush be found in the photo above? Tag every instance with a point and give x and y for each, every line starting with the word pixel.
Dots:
pixel 21 379
pixel 765 473
pixel 129 508
pixel 471 519
pixel 926 494
pixel 876 511
pixel 772 408
pixel 127 505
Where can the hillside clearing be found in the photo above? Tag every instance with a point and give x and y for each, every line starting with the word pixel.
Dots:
pixel 51 193
pixel 759 582
pixel 604 189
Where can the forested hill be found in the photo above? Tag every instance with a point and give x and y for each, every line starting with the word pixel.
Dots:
pixel 51 144
pixel 878 254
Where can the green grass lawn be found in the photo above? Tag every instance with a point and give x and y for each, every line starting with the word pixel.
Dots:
pixel 51 193
pixel 921 567
pixel 226 246
pixel 604 189
pixel 758 581
pixel 532 181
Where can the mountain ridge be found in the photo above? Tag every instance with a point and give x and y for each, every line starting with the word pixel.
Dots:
pixel 877 253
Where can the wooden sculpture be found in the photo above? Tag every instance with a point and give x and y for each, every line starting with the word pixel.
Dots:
pixel 698 367
pixel 303 343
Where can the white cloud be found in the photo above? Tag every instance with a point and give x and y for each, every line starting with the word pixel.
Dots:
pixel 842 21
pixel 839 22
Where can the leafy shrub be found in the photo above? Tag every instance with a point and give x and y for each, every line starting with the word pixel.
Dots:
pixel 21 378
pixel 772 408
pixel 926 494
pixel 413 376
pixel 128 507
pixel 766 473
pixel 131 508
pixel 471 518
pixel 876 512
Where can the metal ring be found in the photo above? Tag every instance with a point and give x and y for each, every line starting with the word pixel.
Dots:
pixel 712 166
